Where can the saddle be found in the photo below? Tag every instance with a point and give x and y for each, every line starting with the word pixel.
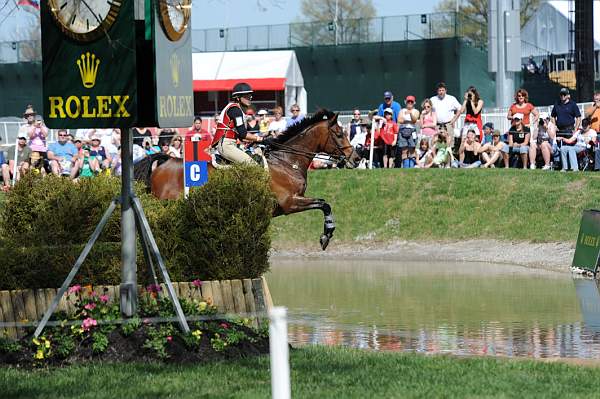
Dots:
pixel 219 162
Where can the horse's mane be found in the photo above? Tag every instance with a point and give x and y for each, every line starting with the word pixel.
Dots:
pixel 299 127
pixel 143 169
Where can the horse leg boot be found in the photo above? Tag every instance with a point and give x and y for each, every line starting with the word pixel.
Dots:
pixel 297 204
pixel 328 225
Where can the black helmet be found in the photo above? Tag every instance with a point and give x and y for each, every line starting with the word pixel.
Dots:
pixel 240 89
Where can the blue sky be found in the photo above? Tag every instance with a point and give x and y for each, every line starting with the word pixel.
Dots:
pixel 228 13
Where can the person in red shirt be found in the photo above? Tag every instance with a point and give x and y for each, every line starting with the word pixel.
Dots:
pixel 523 106
pixel 197 129
pixel 389 135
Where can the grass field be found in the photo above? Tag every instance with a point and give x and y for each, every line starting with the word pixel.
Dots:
pixel 444 204
pixel 317 372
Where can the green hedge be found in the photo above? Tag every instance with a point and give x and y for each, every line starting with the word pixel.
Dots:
pixel 220 232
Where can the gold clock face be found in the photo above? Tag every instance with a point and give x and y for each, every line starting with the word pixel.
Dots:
pixel 84 20
pixel 174 17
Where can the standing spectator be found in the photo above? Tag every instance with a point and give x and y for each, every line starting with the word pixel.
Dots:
pixel 518 141
pixel 575 145
pixel 447 109
pixel 388 102
pixel 62 154
pixel 593 113
pixel 542 140
pixel 492 152
pixel 428 120
pixel 29 116
pixel 378 143
pixel 278 123
pixel 565 114
pixel 354 126
pixel 38 134
pixel 263 122
pixel 523 106
pixel 472 105
pixel 468 153
pixel 531 67
pixel 139 135
pixel 100 153
pixel 389 134
pixel 407 136
pixel 23 154
pixel 197 129
pixel 296 116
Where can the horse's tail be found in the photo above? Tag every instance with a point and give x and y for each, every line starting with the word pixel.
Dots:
pixel 142 171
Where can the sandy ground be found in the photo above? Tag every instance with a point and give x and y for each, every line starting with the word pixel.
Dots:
pixel 547 256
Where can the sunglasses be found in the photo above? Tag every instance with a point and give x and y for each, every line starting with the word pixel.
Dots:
pixel 62 135
pixel 295 110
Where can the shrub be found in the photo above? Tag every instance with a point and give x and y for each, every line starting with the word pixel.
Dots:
pixel 221 232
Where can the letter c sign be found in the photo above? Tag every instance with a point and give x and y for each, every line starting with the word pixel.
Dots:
pixel 196 173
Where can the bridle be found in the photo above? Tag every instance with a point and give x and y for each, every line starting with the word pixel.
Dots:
pixel 338 156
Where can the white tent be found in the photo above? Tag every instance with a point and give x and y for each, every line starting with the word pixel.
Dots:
pixel 263 70
pixel 548 28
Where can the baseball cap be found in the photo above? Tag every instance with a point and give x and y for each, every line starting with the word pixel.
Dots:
pixel 544 115
pixel 388 94
pixel 22 136
pixel 496 133
pixel 410 98
pixel 564 91
pixel 388 111
pixel 95 137
pixel 490 125
pixel 518 115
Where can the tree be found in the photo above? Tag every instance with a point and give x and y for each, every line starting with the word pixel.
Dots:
pixel 473 16
pixel 351 24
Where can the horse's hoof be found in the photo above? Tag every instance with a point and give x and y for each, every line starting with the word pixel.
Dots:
pixel 324 241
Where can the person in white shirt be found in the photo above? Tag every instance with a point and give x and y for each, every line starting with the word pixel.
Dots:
pixel 447 109
pixel 580 141
pixel 278 123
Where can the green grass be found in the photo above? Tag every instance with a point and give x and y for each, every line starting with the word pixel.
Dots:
pixel 317 372
pixel 444 204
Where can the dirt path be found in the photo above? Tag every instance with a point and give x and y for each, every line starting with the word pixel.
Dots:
pixel 547 256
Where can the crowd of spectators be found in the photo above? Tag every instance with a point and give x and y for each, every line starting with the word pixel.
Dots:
pixel 405 137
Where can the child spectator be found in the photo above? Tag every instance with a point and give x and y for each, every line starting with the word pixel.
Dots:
pixel 389 134
pixel 424 154
pixel 442 152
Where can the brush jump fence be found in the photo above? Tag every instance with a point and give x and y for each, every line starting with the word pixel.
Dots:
pixel 229 296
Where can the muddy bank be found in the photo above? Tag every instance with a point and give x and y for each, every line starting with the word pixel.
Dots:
pixel 547 256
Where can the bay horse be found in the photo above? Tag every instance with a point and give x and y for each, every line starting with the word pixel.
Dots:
pixel 288 156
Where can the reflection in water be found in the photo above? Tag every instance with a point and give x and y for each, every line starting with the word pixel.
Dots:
pixel 463 309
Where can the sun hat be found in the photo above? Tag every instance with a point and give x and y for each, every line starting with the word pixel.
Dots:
pixel 518 115
pixel 23 136
pixel 388 111
pixel 263 112
pixel 544 115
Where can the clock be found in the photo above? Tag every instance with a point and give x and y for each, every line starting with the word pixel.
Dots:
pixel 174 16
pixel 84 20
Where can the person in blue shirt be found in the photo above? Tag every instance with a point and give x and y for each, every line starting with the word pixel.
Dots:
pixel 388 102
pixel 296 116
pixel 565 114
pixel 62 154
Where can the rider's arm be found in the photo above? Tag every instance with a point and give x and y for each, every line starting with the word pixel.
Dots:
pixel 237 117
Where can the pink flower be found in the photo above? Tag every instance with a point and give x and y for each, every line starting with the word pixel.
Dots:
pixel 104 298
pixel 224 325
pixel 197 283
pixel 94 294
pixel 74 289
pixel 88 324
pixel 169 338
pixel 146 321
pixel 154 288
pixel 90 306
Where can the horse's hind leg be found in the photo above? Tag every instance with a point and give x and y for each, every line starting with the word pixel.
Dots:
pixel 328 224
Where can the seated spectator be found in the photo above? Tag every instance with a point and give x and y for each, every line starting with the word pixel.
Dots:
pixel 116 169
pixel 424 154
pixel 518 141
pixel 62 155
pixel 86 164
pixel 407 136
pixel 296 116
pixel 428 120
pixel 278 123
pixel 492 152
pixel 149 147
pixel 100 153
pixel 488 130
pixel 468 152
pixel 252 124
pixel 578 143
pixel 593 113
pixel 176 147
pixel 263 122
pixel 85 135
pixel 442 149
pixel 5 172
pixel 389 134
pixel 139 135
pixel 78 144
pixel 542 141
pixel 23 154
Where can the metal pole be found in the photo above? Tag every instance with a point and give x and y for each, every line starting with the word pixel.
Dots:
pixel 372 145
pixel 500 68
pixel 128 289
pixel 279 351
pixel 15 163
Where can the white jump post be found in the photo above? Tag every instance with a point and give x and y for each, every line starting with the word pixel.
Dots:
pixel 280 360
pixel 372 145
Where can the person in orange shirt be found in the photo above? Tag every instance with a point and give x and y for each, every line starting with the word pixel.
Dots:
pixel 593 112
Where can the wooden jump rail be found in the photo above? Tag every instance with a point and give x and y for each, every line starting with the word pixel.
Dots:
pixel 229 296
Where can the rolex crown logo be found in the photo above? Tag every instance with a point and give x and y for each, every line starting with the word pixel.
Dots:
pixel 175 62
pixel 88 69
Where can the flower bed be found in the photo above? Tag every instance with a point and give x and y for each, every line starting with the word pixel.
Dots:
pixel 92 330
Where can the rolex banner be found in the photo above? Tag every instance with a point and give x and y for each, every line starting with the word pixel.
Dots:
pixel 173 60
pixel 89 63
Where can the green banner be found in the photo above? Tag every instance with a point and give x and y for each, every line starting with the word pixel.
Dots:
pixel 89 64
pixel 173 60
pixel 588 241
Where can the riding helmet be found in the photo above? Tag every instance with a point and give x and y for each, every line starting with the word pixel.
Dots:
pixel 240 89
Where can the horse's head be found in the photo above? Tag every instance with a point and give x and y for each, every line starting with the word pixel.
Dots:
pixel 336 144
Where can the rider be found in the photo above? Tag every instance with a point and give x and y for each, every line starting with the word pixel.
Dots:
pixel 231 126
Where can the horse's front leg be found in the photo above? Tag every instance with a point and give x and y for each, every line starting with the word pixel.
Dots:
pixel 300 204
